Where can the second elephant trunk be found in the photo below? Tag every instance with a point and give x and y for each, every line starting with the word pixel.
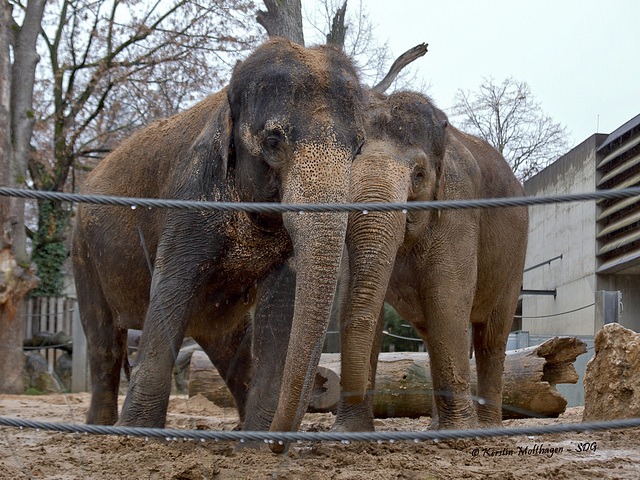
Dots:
pixel 373 240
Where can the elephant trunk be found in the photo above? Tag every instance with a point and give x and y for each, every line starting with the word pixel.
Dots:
pixel 372 240
pixel 318 239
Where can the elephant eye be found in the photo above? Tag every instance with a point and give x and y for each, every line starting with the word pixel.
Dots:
pixel 273 146
pixel 275 134
pixel 273 141
pixel 418 177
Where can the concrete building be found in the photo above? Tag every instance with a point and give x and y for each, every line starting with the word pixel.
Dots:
pixel 583 258
pixel 578 249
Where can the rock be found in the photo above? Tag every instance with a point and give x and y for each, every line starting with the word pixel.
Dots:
pixel 63 371
pixel 612 376
pixel 36 374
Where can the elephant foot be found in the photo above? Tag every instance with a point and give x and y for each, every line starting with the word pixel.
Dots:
pixel 140 421
pixel 258 423
pixel 490 418
pixel 102 417
pixel 101 421
pixel 354 418
pixel 490 423
pixel 460 424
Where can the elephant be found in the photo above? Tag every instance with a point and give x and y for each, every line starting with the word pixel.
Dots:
pixel 285 129
pixel 447 272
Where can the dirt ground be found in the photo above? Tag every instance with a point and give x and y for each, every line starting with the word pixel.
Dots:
pixel 35 454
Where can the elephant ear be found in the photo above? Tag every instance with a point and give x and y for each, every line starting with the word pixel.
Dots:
pixel 440 153
pixel 212 153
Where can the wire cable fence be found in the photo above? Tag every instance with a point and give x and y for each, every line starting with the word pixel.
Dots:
pixel 174 434
pixel 262 207
pixel 344 437
pixel 557 314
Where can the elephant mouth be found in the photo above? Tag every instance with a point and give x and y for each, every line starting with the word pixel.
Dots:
pixel 266 222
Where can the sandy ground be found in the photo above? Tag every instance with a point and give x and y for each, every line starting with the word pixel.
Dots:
pixel 34 454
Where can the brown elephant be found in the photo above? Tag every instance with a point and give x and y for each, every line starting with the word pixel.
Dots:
pixel 285 130
pixel 442 271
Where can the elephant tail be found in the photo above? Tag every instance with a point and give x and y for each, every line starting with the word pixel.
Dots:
pixel 125 360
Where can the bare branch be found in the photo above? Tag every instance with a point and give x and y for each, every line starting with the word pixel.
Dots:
pixel 402 61
pixel 338 30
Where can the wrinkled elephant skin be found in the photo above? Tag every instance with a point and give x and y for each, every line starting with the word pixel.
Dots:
pixel 285 130
pixel 441 271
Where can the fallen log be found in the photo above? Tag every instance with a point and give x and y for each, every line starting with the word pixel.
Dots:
pixel 205 379
pixel 403 381
pixel 41 340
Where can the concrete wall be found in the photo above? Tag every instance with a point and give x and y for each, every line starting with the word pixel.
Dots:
pixel 629 286
pixel 566 229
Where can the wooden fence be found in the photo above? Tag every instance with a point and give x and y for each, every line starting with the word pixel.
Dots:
pixel 54 315
pixel 48 314
pixel 51 315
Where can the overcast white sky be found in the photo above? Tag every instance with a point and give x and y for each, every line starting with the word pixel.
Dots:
pixel 581 58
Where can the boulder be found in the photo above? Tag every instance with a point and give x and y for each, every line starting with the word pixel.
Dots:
pixel 36 375
pixel 612 376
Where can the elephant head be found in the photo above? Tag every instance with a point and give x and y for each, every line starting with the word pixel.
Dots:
pixel 297 123
pixel 440 270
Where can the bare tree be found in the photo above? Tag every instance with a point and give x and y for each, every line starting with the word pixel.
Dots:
pixel 110 66
pixel 508 117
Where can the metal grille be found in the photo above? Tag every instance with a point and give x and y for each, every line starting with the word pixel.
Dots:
pixel 618 222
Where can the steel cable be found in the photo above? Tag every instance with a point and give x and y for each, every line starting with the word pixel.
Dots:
pixel 310 207
pixel 170 434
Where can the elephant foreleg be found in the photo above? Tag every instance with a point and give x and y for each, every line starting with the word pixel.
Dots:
pixel 445 331
pixel 451 381
pixel 359 417
pixel 150 386
pixel 275 303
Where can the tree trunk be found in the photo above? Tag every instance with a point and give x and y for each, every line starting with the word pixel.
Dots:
pixel 283 18
pixel 338 29
pixel 5 119
pixel 403 381
pixel 15 280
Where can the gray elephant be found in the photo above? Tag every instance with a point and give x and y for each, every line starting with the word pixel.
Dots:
pixel 285 130
pixel 445 272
